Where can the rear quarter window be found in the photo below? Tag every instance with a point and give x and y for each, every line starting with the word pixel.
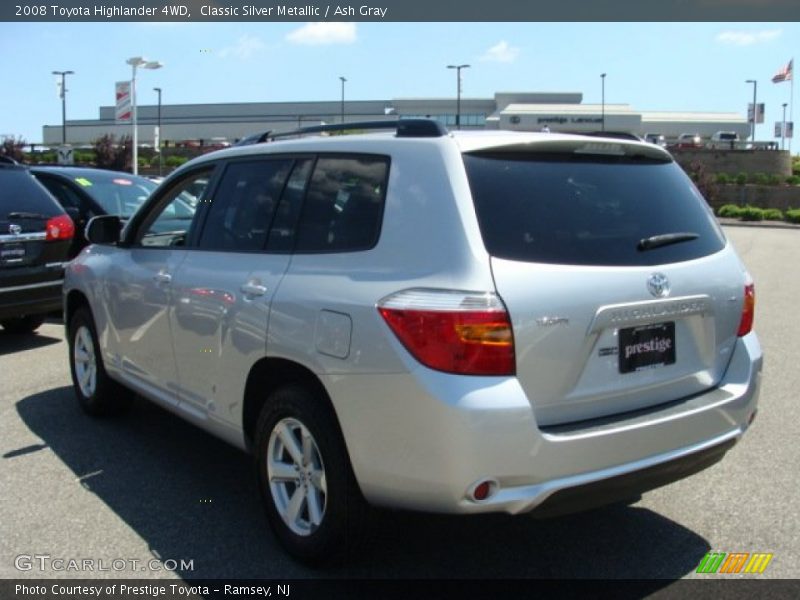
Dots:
pixel 344 204
pixel 587 209
pixel 21 192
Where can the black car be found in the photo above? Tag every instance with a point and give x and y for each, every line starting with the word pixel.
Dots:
pixel 92 192
pixel 35 238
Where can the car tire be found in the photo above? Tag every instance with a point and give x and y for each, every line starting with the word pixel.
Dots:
pixel 97 393
pixel 312 501
pixel 27 324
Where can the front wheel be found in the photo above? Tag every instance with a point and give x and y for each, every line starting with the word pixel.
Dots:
pixel 97 393
pixel 311 498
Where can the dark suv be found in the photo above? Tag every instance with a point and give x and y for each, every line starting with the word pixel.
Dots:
pixel 35 236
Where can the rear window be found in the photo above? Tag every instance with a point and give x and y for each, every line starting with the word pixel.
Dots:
pixel 21 193
pixel 588 209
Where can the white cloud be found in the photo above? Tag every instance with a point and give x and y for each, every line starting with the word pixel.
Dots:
pixel 501 52
pixel 318 34
pixel 244 48
pixel 748 38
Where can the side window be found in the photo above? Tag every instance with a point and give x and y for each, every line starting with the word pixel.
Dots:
pixel 173 216
pixel 240 213
pixel 67 197
pixel 344 204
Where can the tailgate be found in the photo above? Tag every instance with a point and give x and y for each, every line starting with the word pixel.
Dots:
pixel 590 342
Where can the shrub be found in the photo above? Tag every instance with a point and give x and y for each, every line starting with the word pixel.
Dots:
pixel 13 148
pixel 741 178
pixel 759 178
pixel 723 178
pixel 793 180
pixel 703 180
pixel 773 214
pixel 110 154
pixel 775 179
pixel 83 158
pixel 730 211
pixel 752 213
pixel 792 215
pixel 175 161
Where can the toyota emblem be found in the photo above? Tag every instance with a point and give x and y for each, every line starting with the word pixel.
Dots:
pixel 14 229
pixel 658 285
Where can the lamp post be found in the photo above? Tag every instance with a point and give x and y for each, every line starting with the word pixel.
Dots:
pixel 458 91
pixel 755 108
pixel 135 62
pixel 64 104
pixel 783 126
pixel 158 131
pixel 343 81
pixel 602 101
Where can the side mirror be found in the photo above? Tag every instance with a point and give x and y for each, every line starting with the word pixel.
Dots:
pixel 104 229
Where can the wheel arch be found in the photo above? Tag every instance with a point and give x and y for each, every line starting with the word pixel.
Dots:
pixel 267 375
pixel 74 301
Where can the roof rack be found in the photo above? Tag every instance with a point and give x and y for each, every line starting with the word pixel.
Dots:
pixel 404 128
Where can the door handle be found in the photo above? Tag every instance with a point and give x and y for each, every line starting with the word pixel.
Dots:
pixel 162 277
pixel 251 288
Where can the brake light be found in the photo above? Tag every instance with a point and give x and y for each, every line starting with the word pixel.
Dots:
pixel 748 310
pixel 468 333
pixel 60 228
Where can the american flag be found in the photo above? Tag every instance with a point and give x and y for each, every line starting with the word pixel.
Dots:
pixel 784 74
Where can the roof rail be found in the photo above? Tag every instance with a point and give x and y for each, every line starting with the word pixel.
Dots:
pixel 404 128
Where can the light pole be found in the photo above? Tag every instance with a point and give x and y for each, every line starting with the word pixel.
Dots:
pixel 783 127
pixel 458 91
pixel 158 131
pixel 755 108
pixel 343 81
pixel 602 101
pixel 64 104
pixel 134 62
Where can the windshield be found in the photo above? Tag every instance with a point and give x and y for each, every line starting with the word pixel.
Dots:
pixel 118 194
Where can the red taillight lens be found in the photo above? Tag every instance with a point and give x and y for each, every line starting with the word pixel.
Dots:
pixel 456 332
pixel 60 228
pixel 748 310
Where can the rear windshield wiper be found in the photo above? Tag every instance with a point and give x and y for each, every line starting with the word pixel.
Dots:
pixel 665 239
pixel 26 215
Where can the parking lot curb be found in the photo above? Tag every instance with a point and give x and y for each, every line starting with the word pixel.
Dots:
pixel 762 224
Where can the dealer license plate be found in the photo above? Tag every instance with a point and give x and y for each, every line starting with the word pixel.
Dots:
pixel 646 347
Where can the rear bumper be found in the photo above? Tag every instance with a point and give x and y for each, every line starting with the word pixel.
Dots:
pixel 25 299
pixel 422 440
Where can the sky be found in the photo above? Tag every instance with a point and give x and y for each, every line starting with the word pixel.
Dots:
pixel 650 66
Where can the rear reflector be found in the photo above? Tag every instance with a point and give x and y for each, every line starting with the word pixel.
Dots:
pixel 60 228
pixel 468 333
pixel 748 310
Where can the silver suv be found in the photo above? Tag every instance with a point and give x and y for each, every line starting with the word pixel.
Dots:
pixel 450 322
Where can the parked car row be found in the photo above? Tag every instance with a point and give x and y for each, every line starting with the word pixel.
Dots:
pixel 43 212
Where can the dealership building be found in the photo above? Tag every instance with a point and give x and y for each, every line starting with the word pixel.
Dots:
pixel 525 111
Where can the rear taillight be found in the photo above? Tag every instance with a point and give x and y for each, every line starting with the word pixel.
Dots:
pixel 457 332
pixel 60 228
pixel 748 310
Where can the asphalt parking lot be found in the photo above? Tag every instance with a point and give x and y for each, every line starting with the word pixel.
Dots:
pixel 148 485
